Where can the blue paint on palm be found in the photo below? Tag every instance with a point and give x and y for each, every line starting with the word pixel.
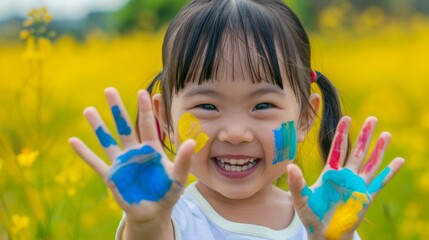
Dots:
pixel 285 142
pixel 377 183
pixel 121 123
pixel 105 139
pixel 139 175
pixel 335 185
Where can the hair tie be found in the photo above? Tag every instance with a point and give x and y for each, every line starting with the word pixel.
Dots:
pixel 313 76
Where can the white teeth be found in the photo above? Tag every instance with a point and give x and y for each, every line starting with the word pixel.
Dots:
pixel 233 161
pixel 228 164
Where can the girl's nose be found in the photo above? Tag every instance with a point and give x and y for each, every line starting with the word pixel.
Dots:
pixel 236 133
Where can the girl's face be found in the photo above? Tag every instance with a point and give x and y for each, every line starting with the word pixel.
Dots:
pixel 238 117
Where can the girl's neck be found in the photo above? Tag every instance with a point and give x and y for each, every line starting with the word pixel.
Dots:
pixel 214 197
pixel 270 207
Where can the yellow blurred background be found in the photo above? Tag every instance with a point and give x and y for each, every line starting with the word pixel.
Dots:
pixel 378 64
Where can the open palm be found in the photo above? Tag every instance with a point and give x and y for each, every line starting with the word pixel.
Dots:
pixel 335 205
pixel 144 182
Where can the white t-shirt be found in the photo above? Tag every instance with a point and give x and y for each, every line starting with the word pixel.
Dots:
pixel 195 219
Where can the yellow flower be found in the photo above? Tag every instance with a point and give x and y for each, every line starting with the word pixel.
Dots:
pixel 43 10
pixel 23 34
pixel 413 210
pixel 71 178
pixel 28 22
pixel 27 157
pixel 331 17
pixel 47 18
pixel 19 223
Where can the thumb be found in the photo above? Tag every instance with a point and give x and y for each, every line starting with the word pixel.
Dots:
pixel 297 186
pixel 183 161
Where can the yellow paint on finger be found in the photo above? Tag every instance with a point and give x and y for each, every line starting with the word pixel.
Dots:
pixel 190 128
pixel 346 216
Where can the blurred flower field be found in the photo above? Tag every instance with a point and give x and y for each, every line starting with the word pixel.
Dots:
pixel 47 192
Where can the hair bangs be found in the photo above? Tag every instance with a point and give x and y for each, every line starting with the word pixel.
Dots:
pixel 234 36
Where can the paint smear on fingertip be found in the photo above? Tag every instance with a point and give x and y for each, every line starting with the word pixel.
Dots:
pixel 336 150
pixel 139 175
pixel 363 138
pixel 190 128
pixel 105 139
pixel 346 215
pixel 121 123
pixel 285 142
pixel 377 183
pixel 374 156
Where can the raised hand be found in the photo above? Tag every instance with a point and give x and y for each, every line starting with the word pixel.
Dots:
pixel 335 205
pixel 145 183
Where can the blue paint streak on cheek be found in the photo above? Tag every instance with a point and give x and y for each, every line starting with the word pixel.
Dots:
pixel 139 175
pixel 377 183
pixel 121 123
pixel 335 185
pixel 285 142
pixel 105 139
pixel 293 140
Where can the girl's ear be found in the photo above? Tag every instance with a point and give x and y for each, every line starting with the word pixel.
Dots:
pixel 307 119
pixel 160 113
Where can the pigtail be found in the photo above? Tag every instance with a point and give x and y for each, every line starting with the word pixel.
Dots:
pixel 331 114
pixel 153 88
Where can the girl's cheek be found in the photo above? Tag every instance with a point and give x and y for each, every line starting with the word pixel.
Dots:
pixel 189 127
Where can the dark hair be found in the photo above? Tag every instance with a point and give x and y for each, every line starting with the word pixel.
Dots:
pixel 267 34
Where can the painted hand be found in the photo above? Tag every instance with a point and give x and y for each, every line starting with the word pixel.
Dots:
pixel 145 183
pixel 335 205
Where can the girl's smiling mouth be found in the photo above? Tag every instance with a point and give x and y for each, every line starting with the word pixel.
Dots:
pixel 235 166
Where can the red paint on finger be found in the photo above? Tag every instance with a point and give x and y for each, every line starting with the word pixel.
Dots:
pixel 363 139
pixel 336 150
pixel 374 156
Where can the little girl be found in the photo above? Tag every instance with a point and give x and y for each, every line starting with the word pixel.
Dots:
pixel 235 101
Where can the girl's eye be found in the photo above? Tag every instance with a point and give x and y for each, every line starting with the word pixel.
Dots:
pixel 262 106
pixel 207 106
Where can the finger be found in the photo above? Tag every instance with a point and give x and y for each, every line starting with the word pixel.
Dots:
pixel 376 157
pixel 297 186
pixel 301 195
pixel 146 121
pixel 183 161
pixel 122 119
pixel 362 144
pixel 90 157
pixel 385 176
pixel 180 172
pixel 338 150
pixel 103 134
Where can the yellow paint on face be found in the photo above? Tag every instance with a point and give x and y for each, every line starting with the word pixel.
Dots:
pixel 190 127
pixel 346 216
